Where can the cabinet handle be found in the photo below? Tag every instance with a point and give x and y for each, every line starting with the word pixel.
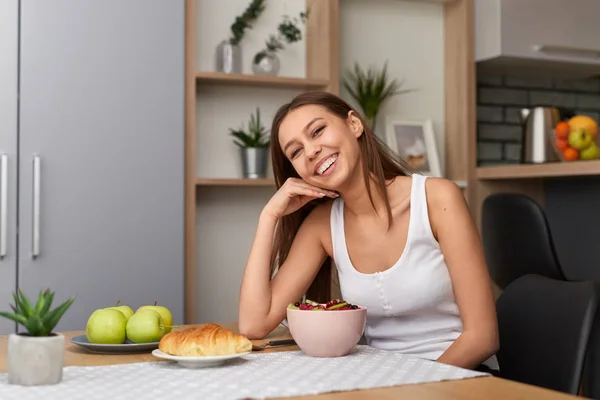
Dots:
pixel 3 204
pixel 574 51
pixel 36 205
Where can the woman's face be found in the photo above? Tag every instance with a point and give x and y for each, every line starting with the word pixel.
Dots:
pixel 322 148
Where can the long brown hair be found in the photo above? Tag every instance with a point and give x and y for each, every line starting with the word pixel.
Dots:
pixel 379 163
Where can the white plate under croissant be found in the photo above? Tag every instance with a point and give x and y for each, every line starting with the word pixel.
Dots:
pixel 197 361
pixel 206 345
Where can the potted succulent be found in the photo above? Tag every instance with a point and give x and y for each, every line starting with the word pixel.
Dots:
pixel 266 62
pixel 370 89
pixel 254 145
pixel 36 357
pixel 229 53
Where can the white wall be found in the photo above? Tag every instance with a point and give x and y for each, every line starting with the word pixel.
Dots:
pixel 410 36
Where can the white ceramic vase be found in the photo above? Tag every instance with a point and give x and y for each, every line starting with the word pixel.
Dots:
pixel 35 360
pixel 229 58
pixel 266 62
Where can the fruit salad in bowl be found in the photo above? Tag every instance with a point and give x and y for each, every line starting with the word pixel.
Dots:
pixel 329 329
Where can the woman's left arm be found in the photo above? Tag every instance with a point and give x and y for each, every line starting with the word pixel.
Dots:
pixel 455 231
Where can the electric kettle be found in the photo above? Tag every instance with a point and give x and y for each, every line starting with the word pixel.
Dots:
pixel 538 123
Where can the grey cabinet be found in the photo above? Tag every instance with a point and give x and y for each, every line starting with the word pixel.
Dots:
pixel 9 23
pixel 98 179
pixel 555 32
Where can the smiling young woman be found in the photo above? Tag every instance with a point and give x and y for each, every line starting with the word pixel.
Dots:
pixel 404 244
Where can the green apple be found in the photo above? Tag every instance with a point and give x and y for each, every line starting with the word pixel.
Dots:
pixel 164 312
pixel 126 310
pixel 106 327
pixel 579 139
pixel 145 326
pixel 590 152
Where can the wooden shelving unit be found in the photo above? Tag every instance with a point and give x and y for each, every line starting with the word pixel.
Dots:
pixel 261 81
pixel 536 171
pixel 266 182
pixel 321 73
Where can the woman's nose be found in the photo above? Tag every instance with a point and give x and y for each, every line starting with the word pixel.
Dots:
pixel 313 151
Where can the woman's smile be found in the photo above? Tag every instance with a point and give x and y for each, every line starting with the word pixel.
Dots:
pixel 326 165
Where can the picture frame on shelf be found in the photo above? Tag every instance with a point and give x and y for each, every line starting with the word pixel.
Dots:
pixel 414 141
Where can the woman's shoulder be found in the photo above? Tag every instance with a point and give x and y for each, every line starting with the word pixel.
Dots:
pixel 446 203
pixel 441 191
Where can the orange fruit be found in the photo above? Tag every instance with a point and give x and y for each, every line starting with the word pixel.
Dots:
pixel 561 144
pixel 570 154
pixel 585 122
pixel 562 130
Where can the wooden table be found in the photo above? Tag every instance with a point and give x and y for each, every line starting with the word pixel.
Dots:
pixel 489 388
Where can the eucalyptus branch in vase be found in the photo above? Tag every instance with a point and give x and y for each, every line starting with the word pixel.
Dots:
pixel 244 21
pixel 371 89
pixel 288 32
pixel 229 53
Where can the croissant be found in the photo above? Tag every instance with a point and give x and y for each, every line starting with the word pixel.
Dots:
pixel 204 340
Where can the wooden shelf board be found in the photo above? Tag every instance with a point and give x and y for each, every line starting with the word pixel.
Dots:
pixel 546 170
pixel 234 182
pixel 261 81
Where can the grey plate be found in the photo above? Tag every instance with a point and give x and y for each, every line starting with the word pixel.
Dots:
pixel 128 347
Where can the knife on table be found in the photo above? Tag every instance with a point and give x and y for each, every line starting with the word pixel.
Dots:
pixel 274 343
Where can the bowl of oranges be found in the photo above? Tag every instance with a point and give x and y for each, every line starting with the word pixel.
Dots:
pixel 577 139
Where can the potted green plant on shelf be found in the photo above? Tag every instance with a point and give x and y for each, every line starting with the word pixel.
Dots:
pixel 36 357
pixel 229 52
pixel 371 89
pixel 254 147
pixel 266 62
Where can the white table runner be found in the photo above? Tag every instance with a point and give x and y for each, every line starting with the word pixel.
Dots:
pixel 256 376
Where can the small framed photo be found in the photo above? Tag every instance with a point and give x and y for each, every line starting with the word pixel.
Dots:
pixel 414 141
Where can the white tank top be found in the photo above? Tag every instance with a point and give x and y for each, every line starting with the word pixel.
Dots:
pixel 410 306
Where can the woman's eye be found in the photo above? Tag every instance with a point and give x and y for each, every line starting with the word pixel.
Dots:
pixel 298 150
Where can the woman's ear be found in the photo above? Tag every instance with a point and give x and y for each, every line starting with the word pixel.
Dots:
pixel 355 124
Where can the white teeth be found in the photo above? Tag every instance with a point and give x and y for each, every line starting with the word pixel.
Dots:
pixel 326 164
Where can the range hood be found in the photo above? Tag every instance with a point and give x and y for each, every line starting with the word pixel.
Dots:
pixel 540 37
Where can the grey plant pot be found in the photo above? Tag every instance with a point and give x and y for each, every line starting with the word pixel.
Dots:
pixel 254 162
pixel 35 360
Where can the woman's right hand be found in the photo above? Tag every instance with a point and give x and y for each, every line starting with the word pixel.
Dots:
pixel 293 195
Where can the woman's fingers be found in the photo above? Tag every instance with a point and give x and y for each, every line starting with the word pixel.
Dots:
pixel 293 194
pixel 325 192
pixel 305 191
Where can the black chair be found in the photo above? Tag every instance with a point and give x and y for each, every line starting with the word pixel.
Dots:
pixel 544 327
pixel 516 239
pixel 591 373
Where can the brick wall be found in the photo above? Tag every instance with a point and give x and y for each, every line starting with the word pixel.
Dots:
pixel 500 99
